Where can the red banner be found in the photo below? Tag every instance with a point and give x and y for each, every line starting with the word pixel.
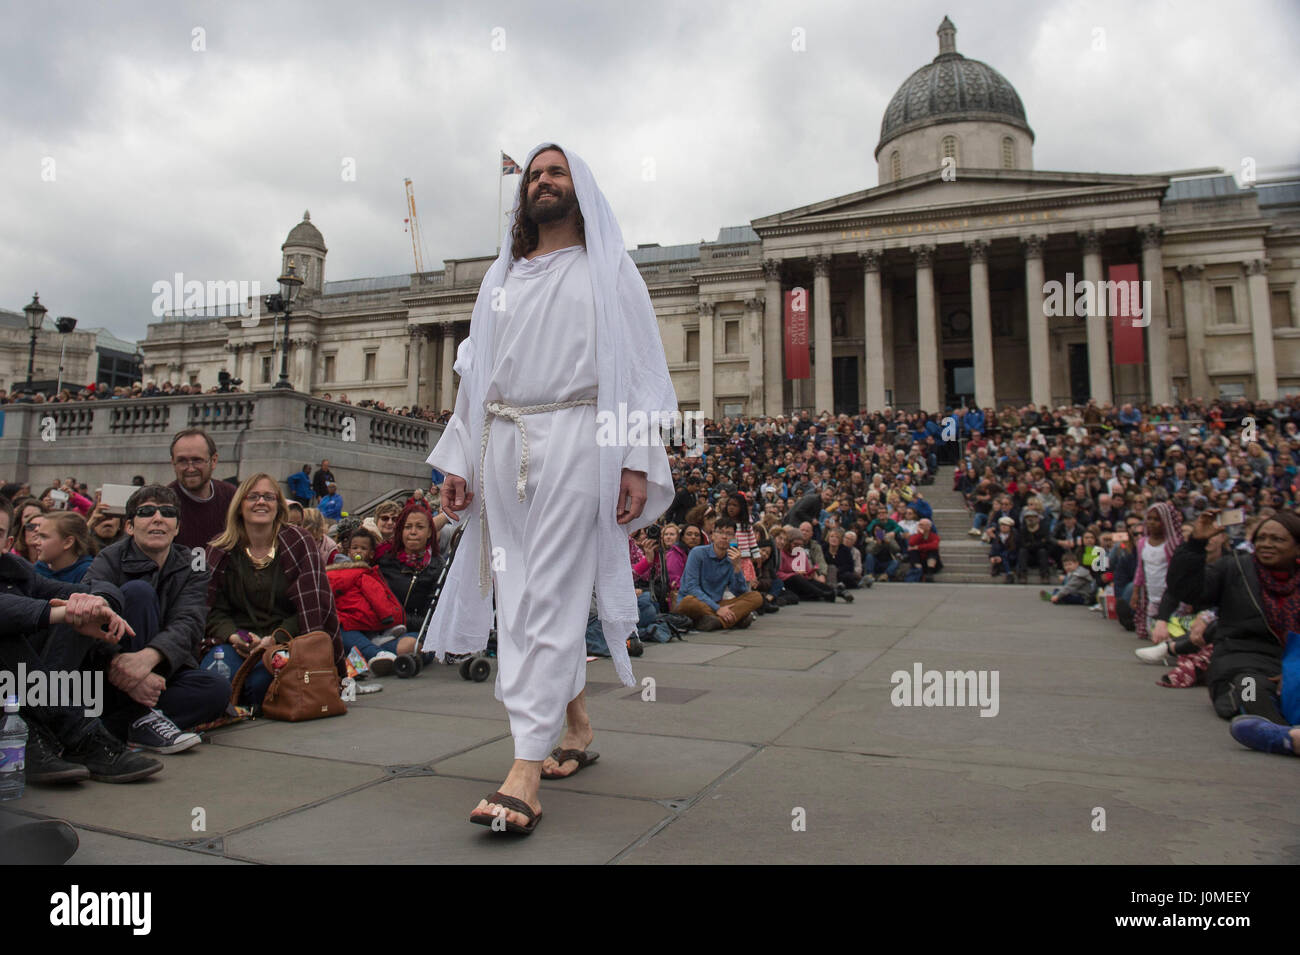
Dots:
pixel 1123 300
pixel 796 334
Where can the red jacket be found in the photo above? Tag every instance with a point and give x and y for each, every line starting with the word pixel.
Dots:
pixel 924 544
pixel 362 598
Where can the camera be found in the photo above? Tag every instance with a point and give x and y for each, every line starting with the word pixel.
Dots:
pixel 652 532
pixel 225 382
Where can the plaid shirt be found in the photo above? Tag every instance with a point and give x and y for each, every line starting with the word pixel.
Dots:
pixel 309 588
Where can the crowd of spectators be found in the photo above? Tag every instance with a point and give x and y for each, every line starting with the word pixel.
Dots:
pixel 168 595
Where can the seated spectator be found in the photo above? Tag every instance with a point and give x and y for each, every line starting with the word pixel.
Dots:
pixel 158 690
pixel 1077 583
pixel 296 512
pixel 1035 547
pixel 313 522
pixel 63 547
pixel 923 553
pixel 711 570
pixel 1004 550
pixel 411 572
pixel 65 498
pixel 841 558
pixel 26 512
pixel 205 502
pixel 371 618
pixel 386 524
pixel 268 584
pixel 1154 552
pixel 105 528
pixel 1258 601
pixel 884 549
pixel 331 505
pixel 49 626
pixel 703 516
pixel 797 572
pixel 677 553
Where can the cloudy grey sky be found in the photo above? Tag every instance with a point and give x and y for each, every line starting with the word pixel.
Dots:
pixel 170 159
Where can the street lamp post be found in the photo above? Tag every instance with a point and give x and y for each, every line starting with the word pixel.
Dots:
pixel 35 313
pixel 283 302
pixel 65 324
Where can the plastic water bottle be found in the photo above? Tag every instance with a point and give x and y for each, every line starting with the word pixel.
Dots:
pixel 13 751
pixel 218 664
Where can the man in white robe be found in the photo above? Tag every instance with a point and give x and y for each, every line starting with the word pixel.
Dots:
pixel 563 337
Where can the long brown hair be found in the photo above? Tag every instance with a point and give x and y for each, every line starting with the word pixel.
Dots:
pixel 236 535
pixel 524 233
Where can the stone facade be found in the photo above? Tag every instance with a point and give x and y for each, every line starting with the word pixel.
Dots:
pixel 926 290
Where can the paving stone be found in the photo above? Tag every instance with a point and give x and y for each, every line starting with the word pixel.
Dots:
pixel 772 658
pixel 100 848
pixel 631 764
pixel 425 819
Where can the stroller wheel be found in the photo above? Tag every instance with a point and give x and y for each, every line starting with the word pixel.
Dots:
pixel 479 669
pixel 407 666
pixel 463 669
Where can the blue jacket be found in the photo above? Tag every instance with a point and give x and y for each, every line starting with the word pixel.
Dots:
pixel 331 506
pixel 707 575
pixel 300 485
pixel 71 574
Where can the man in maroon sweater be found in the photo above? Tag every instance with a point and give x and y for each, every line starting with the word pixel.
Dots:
pixel 923 550
pixel 204 501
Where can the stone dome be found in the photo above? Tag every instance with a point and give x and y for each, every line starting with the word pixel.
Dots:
pixel 305 234
pixel 951 88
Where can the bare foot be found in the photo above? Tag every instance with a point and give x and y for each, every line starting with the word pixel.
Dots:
pixel 578 734
pixel 523 783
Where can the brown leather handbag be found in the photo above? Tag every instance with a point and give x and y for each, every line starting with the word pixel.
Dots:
pixel 306 687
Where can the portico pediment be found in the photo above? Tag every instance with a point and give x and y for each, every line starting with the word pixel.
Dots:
pixel 970 192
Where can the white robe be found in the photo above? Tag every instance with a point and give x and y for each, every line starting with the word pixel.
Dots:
pixel 543 548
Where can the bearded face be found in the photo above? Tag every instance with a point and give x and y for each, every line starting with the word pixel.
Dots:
pixel 549 202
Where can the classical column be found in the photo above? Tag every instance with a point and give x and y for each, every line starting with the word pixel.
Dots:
pixel 448 390
pixel 1198 377
pixel 823 389
pixel 981 323
pixel 1040 354
pixel 1098 349
pixel 927 332
pixel 1261 327
pixel 706 358
pixel 773 376
pixel 1153 272
pixel 300 363
pixel 754 332
pixel 874 345
pixel 414 364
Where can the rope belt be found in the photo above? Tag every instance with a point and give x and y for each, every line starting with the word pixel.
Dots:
pixel 515 414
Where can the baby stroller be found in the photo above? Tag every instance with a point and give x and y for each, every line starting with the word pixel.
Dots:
pixel 474 666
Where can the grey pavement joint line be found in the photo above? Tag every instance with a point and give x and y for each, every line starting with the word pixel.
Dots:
pixel 687 805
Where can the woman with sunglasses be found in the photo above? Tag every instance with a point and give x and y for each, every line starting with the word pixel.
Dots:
pixel 27 512
pixel 267 581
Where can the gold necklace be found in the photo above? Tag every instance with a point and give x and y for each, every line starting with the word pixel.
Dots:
pixel 260 563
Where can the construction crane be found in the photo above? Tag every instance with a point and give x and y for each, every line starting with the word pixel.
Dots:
pixel 413 226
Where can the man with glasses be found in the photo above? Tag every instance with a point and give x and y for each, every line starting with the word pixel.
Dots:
pixel 203 501
pixel 157 686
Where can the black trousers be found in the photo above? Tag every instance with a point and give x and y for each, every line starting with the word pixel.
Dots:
pixel 1041 555
pixel 58 649
pixel 1249 692
pixel 809 588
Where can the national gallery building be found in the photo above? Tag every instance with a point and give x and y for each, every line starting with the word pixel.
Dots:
pixel 929 290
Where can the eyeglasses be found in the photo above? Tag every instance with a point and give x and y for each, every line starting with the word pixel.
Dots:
pixel 190 462
pixel 261 496
pixel 166 510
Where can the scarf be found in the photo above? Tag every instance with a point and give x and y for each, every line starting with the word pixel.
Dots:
pixel 417 562
pixel 1281 598
pixel 1169 520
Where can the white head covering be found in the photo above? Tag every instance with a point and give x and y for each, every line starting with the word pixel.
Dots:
pixel 632 373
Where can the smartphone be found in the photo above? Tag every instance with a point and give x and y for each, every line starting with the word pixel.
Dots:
pixel 1231 517
pixel 60 499
pixel 113 497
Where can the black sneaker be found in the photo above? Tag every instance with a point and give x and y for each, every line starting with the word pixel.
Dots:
pixel 45 764
pixel 155 732
pixel 634 646
pixel 708 623
pixel 49 842
pixel 846 596
pixel 108 760
pixel 677 622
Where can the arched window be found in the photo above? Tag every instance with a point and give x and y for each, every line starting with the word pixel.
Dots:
pixel 1008 153
pixel 895 166
pixel 948 148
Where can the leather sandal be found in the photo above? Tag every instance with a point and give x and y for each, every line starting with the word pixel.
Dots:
pixel 562 756
pixel 514 805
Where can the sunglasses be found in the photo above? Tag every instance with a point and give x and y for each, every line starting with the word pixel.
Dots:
pixel 149 510
pixel 261 496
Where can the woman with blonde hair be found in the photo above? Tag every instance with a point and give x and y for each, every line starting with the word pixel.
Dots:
pixel 267 576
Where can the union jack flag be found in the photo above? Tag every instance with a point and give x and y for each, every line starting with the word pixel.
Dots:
pixel 509 167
